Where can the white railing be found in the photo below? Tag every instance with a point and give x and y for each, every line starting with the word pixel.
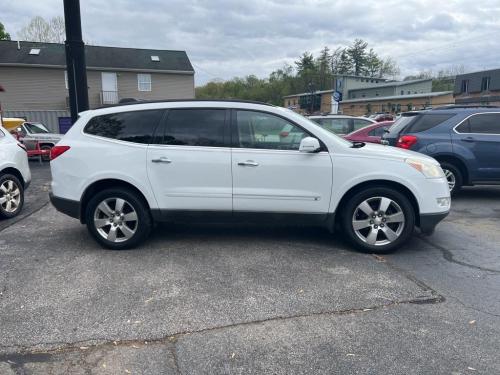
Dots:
pixel 109 97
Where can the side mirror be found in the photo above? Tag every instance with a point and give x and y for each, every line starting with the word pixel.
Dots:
pixel 309 144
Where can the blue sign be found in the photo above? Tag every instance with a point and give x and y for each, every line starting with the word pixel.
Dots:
pixel 337 96
pixel 64 124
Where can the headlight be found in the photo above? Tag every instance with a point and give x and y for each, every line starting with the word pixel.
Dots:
pixel 428 170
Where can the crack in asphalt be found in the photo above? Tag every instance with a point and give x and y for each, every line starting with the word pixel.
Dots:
pixel 449 257
pixel 473 308
pixel 22 218
pixel 19 352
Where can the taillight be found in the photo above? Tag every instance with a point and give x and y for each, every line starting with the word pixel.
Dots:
pixel 406 141
pixel 22 146
pixel 58 150
pixel 284 134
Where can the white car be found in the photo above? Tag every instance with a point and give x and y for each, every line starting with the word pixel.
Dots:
pixel 15 175
pixel 119 169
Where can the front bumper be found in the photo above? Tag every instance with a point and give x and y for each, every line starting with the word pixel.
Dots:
pixel 66 206
pixel 428 222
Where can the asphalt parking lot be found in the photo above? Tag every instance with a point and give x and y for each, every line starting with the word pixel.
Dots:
pixel 238 300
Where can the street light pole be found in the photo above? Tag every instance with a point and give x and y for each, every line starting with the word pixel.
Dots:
pixel 311 90
pixel 75 59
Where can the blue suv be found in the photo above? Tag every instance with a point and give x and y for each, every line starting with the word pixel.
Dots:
pixel 465 140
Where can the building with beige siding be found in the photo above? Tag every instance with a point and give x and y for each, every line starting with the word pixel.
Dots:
pixel 364 96
pixel 34 76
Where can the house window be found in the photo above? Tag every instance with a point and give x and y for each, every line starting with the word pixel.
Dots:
pixel 402 92
pixel 66 79
pixel 485 84
pixel 465 86
pixel 144 82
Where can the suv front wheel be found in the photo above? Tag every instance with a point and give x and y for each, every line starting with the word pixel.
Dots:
pixel 118 219
pixel 453 176
pixel 378 220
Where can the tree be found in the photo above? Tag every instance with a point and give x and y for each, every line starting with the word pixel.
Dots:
pixel 345 63
pixel 388 68
pixel 40 30
pixel 324 69
pixel 358 56
pixel 373 64
pixel 3 34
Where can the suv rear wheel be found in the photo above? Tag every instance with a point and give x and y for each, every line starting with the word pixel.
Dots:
pixel 378 220
pixel 118 219
pixel 454 177
pixel 11 196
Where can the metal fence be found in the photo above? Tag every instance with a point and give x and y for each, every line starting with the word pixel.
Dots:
pixel 50 118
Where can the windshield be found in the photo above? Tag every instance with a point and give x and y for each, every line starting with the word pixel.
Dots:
pixel 299 118
pixel 36 128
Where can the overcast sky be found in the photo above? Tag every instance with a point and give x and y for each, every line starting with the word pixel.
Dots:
pixel 227 38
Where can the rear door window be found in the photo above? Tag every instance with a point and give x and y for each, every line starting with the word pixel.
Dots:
pixel 134 126
pixel 428 121
pixel 196 127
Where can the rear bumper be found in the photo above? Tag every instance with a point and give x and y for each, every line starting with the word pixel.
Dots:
pixel 66 206
pixel 428 222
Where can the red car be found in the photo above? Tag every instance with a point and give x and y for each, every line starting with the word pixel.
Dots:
pixel 371 133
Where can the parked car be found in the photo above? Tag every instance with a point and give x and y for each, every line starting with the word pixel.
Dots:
pixel 119 169
pixel 32 134
pixel 465 140
pixel 379 117
pixel 371 133
pixel 341 124
pixel 15 175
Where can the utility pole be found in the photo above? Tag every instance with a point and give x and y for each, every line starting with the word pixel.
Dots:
pixel 75 59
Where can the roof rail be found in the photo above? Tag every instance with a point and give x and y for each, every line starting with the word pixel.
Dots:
pixel 457 106
pixel 133 101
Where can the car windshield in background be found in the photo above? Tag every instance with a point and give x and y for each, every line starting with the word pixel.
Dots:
pixel 36 128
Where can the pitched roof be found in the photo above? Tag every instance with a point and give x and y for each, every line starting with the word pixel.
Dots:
pixel 53 54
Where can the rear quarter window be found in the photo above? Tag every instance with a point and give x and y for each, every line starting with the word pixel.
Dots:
pixel 134 126
pixel 428 121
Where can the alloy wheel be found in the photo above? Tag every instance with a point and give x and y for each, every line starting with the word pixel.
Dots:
pixel 116 220
pixel 378 221
pixel 450 177
pixel 10 196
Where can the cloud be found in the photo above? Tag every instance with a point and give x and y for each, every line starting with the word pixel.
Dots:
pixel 227 38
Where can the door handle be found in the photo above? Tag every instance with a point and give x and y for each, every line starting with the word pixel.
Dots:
pixel 468 139
pixel 248 163
pixel 162 159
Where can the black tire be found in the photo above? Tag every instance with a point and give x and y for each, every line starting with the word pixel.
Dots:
pixel 402 204
pixel 141 226
pixel 4 213
pixel 457 174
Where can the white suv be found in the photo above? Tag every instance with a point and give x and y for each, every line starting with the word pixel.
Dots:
pixel 15 175
pixel 120 169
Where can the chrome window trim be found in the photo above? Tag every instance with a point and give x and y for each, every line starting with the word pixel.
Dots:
pixel 475 114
